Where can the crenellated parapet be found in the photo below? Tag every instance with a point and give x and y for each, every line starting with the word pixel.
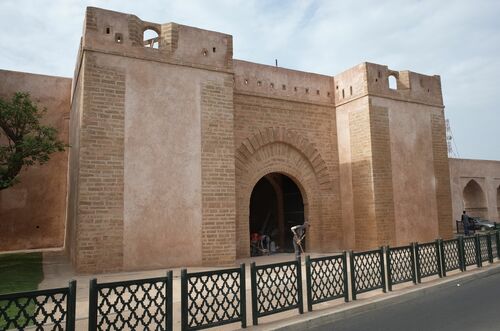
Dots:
pixel 378 80
pixel 127 35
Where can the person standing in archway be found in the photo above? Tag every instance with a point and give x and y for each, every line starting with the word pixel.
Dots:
pixel 465 223
pixel 299 233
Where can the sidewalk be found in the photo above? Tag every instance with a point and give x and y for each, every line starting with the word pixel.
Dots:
pixel 58 273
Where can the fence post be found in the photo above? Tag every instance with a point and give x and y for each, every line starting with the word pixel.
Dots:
pixel 184 297
pixel 382 269
pixel 169 301
pixel 490 250
pixel 308 283
pixel 389 271
pixel 478 251
pixel 253 283
pixel 419 280
pixel 299 285
pixel 93 304
pixel 344 272
pixel 461 251
pixel 353 278
pixel 412 252
pixel 438 260
pixel 71 306
pixel 497 235
pixel 443 257
pixel 243 296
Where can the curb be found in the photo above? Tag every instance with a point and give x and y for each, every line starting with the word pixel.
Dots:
pixel 321 317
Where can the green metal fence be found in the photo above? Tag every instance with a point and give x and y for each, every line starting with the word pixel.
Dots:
pixel 367 271
pixel 428 260
pixel 400 265
pixel 276 288
pixel 495 244
pixel 52 309
pixel 326 279
pixel 213 298
pixel 451 255
pixel 469 247
pixel 142 304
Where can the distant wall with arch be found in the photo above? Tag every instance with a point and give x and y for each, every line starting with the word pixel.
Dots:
pixel 475 186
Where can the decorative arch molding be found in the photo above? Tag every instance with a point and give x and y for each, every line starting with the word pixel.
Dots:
pixel 474 198
pixel 278 150
pixel 286 136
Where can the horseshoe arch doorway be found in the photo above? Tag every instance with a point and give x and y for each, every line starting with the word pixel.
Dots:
pixel 276 204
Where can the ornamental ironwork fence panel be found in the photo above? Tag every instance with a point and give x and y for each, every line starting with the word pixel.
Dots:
pixel 495 247
pixel 451 255
pixel 276 288
pixel 213 298
pixel 142 304
pixel 52 309
pixel 400 265
pixel 484 248
pixel 469 251
pixel 367 271
pixel 428 260
pixel 326 279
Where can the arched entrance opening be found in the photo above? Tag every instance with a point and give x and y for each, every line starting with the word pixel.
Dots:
pixel 474 200
pixel 276 204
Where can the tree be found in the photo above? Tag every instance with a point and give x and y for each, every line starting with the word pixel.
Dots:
pixel 23 140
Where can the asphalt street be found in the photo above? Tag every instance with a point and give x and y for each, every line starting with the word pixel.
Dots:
pixel 474 305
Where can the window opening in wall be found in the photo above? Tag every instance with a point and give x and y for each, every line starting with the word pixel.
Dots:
pixel 283 87
pixel 393 82
pixel 295 88
pixel 118 38
pixel 343 94
pixel 108 30
pixel 151 39
pixel 213 49
pixel 272 85
pixel 379 74
pixel 350 89
pixel 337 87
pixel 328 94
pixel 259 83
pixel 317 92
pixel 246 81
pixel 307 90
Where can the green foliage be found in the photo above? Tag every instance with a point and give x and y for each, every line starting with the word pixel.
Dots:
pixel 23 140
pixel 19 273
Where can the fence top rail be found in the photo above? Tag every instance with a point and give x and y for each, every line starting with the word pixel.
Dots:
pixel 33 294
pixel 325 258
pixel 213 272
pixel 131 282
pixel 399 247
pixel 274 265
pixel 426 244
pixel 468 237
pixel 484 235
pixel 450 240
pixel 367 252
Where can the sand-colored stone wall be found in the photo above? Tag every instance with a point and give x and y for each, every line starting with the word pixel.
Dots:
pixel 485 197
pixel 284 121
pixel 33 212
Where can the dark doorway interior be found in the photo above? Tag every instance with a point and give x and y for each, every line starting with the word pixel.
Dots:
pixel 275 206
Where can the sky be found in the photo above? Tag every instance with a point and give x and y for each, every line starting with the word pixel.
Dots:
pixel 458 40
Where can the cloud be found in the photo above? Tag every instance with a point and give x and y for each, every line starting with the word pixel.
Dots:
pixel 458 40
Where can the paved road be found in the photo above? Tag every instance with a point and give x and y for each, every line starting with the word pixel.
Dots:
pixel 474 305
